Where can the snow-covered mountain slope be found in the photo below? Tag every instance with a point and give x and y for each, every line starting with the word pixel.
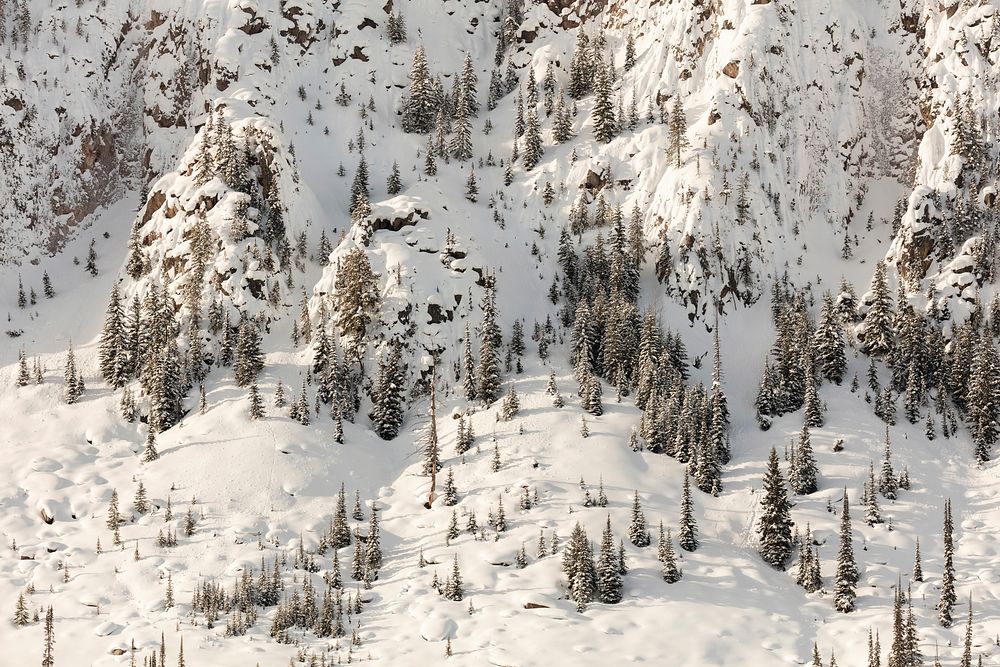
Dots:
pixel 205 160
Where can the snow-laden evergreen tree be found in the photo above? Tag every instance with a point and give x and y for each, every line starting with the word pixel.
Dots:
pixel 562 126
pixel 421 104
pixel 461 138
pixel 393 184
pixel 847 571
pixel 806 471
pixel 609 580
pixel 454 588
pixel 877 330
pixel 603 114
pixel 687 533
pixel 579 568
pixel 532 141
pixel 387 394
pixel 149 452
pixel 356 300
pixel 870 500
pixel 983 398
pixel 248 359
pixel 677 139
pixel 510 405
pixel 775 524
pixel 948 597
pixel 112 342
pixel 918 569
pixel 888 483
pixel 256 410
pixel 471 186
pixel 488 372
pixel 637 533
pixel 450 490
pixel 71 391
pixel 668 560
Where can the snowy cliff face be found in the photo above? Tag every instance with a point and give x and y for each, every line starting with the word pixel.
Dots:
pixel 805 123
pixel 945 245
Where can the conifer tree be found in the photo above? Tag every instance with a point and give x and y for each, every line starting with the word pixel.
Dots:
pixel 578 566
pixel 387 394
pixel 918 570
pixel 393 184
pixel 688 532
pixel 471 187
pixel 775 525
pixel 603 114
pixel 847 571
pixel 637 532
pixel 888 482
pixel 420 106
pixel 20 611
pixel 609 580
pixel 948 596
pixel 677 131
pixel 804 481
pixel 248 359
pixel 356 300
pixel 878 320
pixel 71 392
pixel 532 141
pixel 48 652
pixel 149 452
pixel 256 402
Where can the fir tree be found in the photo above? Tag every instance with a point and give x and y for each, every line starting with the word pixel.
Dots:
pixel 420 106
pixel 775 525
pixel 948 596
pixel 878 321
pixel 256 402
pixel 847 571
pixel 804 481
pixel 603 114
pixel 637 532
pixel 677 131
pixel 688 532
pixel 609 581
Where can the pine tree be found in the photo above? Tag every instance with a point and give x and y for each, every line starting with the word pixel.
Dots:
pixel 48 652
pixel 637 532
pixel 872 513
pixel 775 525
pixel 603 114
pixel 532 141
pixel 471 188
pixel 149 452
pixel 256 402
pixel 356 300
pixel 983 397
pixel 249 359
pixel 450 490
pixel 387 394
pixel 20 611
pixel 948 596
pixel 461 139
pixel 847 571
pixel 918 570
pixel 804 481
pixel 888 482
pixel 140 503
pixel 878 321
pixel 688 533
pixel 677 131
pixel 609 580
pixel 393 184
pixel 47 285
pixel 420 106
pixel 967 642
pixel 578 566
pixel 71 392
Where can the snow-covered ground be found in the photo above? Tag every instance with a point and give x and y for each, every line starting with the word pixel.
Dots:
pixel 796 115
